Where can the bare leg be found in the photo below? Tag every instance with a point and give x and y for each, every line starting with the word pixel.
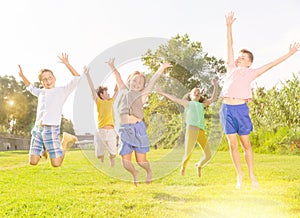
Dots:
pixel 235 156
pixel 101 157
pixel 246 145
pixel 144 163
pixel 67 141
pixel 34 159
pixel 127 164
pixel 112 160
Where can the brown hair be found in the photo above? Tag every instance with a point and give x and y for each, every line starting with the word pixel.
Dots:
pixel 100 90
pixel 43 71
pixel 187 96
pixel 249 53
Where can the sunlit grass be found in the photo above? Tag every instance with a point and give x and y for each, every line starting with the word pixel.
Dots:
pixel 81 188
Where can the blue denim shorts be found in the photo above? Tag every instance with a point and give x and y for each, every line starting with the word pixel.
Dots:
pixel 236 119
pixel 48 137
pixel 133 137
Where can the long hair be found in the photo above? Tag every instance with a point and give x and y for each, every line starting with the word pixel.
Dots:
pixel 187 96
pixel 133 74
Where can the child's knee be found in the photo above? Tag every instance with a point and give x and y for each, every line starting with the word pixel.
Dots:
pixel 56 164
pixel 33 162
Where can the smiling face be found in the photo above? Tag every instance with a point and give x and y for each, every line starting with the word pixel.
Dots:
pixel 195 94
pixel 47 79
pixel 136 81
pixel 244 59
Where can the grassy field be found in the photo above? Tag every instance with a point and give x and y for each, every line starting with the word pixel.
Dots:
pixel 83 187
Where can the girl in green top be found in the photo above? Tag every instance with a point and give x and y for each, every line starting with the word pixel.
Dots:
pixel 195 124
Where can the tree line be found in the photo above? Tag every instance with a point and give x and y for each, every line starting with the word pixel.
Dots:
pixel 274 112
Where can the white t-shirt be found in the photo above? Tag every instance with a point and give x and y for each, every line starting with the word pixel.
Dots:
pixel 51 101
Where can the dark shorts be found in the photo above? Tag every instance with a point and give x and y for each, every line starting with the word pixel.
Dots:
pixel 133 137
pixel 236 119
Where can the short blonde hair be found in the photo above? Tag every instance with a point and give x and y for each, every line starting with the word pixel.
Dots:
pixel 43 71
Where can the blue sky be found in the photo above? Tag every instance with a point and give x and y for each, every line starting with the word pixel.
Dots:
pixel 34 32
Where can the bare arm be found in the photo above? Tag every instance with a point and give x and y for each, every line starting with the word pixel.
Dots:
pixel 111 64
pixel 293 49
pixel 90 82
pixel 115 91
pixel 64 59
pixel 155 77
pixel 214 94
pixel 182 102
pixel 229 21
pixel 25 80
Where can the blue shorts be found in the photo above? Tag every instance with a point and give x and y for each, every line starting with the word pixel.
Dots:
pixel 236 119
pixel 133 137
pixel 48 137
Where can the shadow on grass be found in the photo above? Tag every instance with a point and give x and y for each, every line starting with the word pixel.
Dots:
pixel 168 197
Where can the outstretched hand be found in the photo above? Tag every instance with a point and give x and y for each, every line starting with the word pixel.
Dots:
pixel 294 48
pixel 214 81
pixel 20 71
pixel 86 70
pixel 64 59
pixel 111 62
pixel 167 65
pixel 230 18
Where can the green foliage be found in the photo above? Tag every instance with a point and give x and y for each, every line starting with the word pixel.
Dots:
pixel 192 67
pixel 18 109
pixel 66 126
pixel 275 115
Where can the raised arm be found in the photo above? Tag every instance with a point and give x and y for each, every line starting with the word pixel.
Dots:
pixel 155 77
pixel 115 91
pixel 64 59
pixel 293 49
pixel 90 82
pixel 182 102
pixel 214 94
pixel 229 21
pixel 111 64
pixel 25 80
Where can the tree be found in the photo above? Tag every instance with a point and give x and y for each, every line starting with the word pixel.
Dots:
pixel 192 67
pixel 66 126
pixel 17 113
pixel 276 117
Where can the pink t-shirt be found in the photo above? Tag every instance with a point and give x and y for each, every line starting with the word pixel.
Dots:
pixel 237 83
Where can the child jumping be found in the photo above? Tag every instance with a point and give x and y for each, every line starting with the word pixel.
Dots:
pixel 132 130
pixel 106 135
pixel 236 92
pixel 195 124
pixel 46 132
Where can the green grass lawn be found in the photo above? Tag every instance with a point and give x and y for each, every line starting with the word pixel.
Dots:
pixel 83 187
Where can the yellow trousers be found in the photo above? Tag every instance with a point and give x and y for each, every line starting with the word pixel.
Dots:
pixel 194 135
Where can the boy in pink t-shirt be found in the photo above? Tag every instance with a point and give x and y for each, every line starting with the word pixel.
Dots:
pixel 236 92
